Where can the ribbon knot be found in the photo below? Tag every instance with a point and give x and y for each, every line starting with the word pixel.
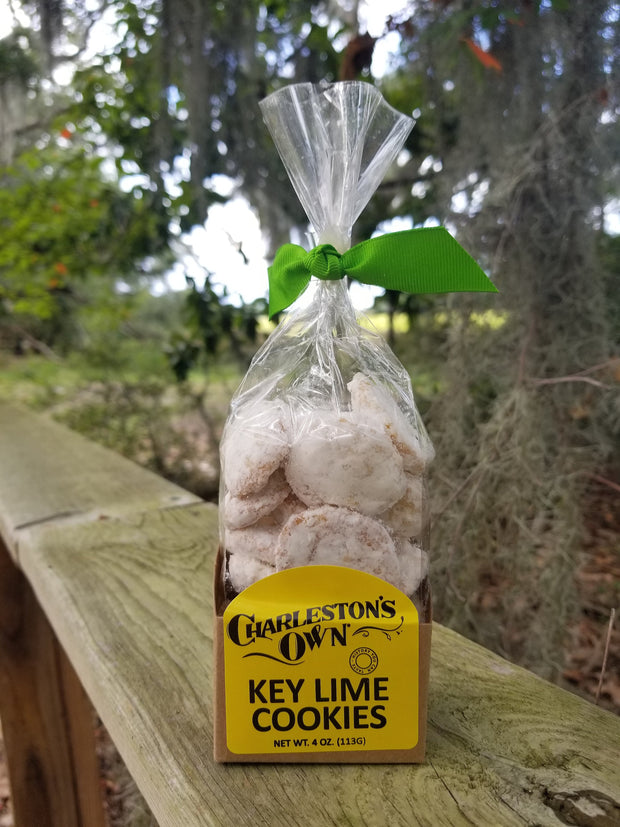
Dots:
pixel 324 262
pixel 423 260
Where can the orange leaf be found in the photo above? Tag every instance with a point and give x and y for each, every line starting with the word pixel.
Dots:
pixel 486 58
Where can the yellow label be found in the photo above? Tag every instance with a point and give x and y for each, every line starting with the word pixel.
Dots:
pixel 321 659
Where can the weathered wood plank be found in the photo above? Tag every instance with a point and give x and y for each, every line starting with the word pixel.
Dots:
pixel 46 717
pixel 48 472
pixel 130 599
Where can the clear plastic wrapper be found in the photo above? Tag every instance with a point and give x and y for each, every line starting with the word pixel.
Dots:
pixel 324 454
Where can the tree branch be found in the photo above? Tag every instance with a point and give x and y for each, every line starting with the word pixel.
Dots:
pixel 576 378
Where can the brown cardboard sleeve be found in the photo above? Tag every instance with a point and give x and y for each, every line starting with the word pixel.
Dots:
pixel 222 753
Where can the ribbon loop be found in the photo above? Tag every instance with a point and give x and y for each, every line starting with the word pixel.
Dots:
pixel 324 262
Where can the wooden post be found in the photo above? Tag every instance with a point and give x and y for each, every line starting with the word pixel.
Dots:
pixel 47 719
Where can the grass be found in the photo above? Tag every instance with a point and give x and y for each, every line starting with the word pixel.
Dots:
pixel 120 391
pixel 36 381
pixel 107 378
pixel 43 384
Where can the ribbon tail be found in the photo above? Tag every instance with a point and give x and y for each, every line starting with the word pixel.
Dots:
pixel 283 291
pixel 423 260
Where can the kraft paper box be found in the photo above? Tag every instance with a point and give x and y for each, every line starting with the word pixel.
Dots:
pixel 320 664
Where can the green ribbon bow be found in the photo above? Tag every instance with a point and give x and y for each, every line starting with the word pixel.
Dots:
pixel 424 260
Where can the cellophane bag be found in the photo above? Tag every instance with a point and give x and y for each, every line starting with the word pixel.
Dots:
pixel 324 455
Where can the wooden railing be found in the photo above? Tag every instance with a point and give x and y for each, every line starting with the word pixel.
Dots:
pixel 105 584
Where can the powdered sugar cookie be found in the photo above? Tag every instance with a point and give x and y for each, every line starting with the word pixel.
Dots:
pixel 240 512
pixel 254 444
pixel 258 540
pixel 244 570
pixel 337 537
pixel 337 461
pixel 405 518
pixel 377 408
pixel 283 512
pixel 413 565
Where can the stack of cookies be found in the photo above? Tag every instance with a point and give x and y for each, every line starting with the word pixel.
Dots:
pixel 325 487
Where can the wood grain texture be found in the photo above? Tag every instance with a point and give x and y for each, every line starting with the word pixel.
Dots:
pixel 47 719
pixel 48 473
pixel 130 598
